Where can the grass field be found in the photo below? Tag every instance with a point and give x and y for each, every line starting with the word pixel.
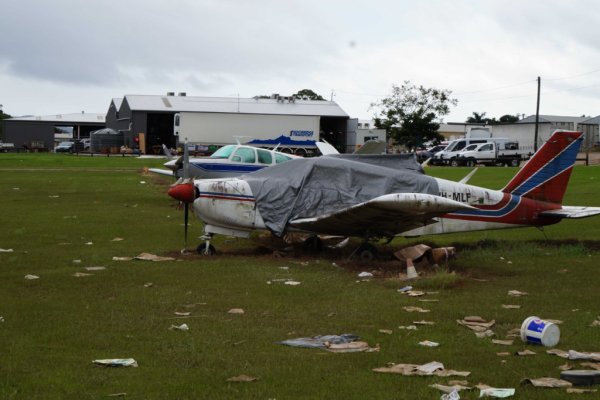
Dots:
pixel 56 209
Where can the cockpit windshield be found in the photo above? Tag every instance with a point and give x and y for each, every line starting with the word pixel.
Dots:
pixel 224 152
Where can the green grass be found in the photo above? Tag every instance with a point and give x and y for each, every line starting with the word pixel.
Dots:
pixel 55 326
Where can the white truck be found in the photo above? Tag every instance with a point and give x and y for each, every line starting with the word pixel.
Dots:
pixel 5 147
pixel 494 152
pixel 206 132
pixel 449 156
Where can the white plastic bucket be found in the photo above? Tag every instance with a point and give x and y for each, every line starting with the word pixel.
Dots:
pixel 536 330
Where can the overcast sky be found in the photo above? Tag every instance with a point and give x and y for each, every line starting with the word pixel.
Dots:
pixel 65 56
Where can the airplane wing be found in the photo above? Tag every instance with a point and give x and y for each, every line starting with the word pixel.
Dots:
pixel 572 212
pixel 326 149
pixel 160 171
pixel 385 215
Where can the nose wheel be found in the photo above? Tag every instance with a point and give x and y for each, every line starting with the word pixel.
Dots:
pixel 206 249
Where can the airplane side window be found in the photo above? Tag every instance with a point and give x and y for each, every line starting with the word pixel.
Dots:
pixel 264 156
pixel 246 154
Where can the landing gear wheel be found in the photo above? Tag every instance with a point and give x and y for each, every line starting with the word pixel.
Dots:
pixel 313 243
pixel 366 252
pixel 203 251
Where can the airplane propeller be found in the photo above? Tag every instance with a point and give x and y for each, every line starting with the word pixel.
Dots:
pixel 184 191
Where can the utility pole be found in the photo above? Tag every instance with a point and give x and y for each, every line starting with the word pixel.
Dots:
pixel 537 117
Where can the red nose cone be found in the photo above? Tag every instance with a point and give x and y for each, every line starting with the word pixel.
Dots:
pixel 184 192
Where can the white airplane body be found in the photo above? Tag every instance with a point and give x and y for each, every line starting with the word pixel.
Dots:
pixel 532 198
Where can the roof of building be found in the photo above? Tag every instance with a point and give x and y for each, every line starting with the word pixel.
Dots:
pixel 78 118
pixel 552 118
pixel 117 101
pixel 592 121
pixel 234 105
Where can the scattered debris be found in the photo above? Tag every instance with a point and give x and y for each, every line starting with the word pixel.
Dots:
pixel 591 365
pixel 81 274
pixel 55 196
pixel 405 289
pixel 476 324
pixel 577 355
pixel 503 342
pixel 526 353
pixel 345 343
pixel 182 314
pixel 451 396
pixel 497 392
pixel 408 327
pixel 365 275
pixel 579 391
pixel 415 293
pixel 89 243
pixel 516 293
pixel 117 362
pixel 450 389
pixel 511 306
pixel 485 334
pixel 423 322
pixel 6 250
pixel 596 322
pixel 98 268
pixel 538 331
pixel 557 352
pixel 242 378
pixel 236 311
pixel 415 309
pixel 182 327
pixel 152 257
pixel 428 343
pixel 117 239
pixel 503 354
pixel 1 318
pixel 432 368
pixel 565 367
pixel 31 277
pixel 122 258
pixel 76 261
pixel 291 283
pixel 386 331
pixel 148 284
pixel 581 377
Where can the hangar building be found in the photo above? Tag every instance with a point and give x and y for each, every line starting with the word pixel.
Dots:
pixel 219 119
pixel 41 133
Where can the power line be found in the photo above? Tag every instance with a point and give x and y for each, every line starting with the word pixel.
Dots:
pixel 573 76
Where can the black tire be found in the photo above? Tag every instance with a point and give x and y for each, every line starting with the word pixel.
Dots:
pixel 470 163
pixel 201 249
pixel 367 252
pixel 313 243
pixel 515 162
pixel 454 162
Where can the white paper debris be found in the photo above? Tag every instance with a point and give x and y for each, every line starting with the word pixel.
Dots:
pixel 89 243
pixel 236 311
pixel 182 327
pixel 183 314
pixel 431 367
pixel 415 309
pixel 516 293
pixel 386 331
pixel 6 250
pixel 31 277
pixel 81 274
pixel 152 257
pixel 496 392
pixel 503 342
pixel 428 343
pixel 291 283
pixel 548 382
pixel 98 268
pixel 117 362
pixel 117 239
pixel 76 261
pixel 365 274
pixel 453 395
pixel 578 355
pixel 242 378
pixel 122 258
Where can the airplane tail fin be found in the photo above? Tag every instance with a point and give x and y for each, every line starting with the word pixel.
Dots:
pixel 546 175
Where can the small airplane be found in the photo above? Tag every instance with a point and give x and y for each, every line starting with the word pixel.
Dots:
pixel 229 160
pixel 370 199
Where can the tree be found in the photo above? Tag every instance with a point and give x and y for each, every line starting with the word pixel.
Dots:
pixel 509 119
pixel 412 115
pixel 308 93
pixel 477 118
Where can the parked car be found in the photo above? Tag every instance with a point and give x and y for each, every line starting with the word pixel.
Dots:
pixel 423 155
pixel 86 144
pixel 65 147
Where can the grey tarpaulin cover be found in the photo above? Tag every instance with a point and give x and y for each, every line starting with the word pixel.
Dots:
pixel 308 188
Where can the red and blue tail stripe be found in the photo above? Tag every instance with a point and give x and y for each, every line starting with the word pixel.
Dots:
pixel 546 175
